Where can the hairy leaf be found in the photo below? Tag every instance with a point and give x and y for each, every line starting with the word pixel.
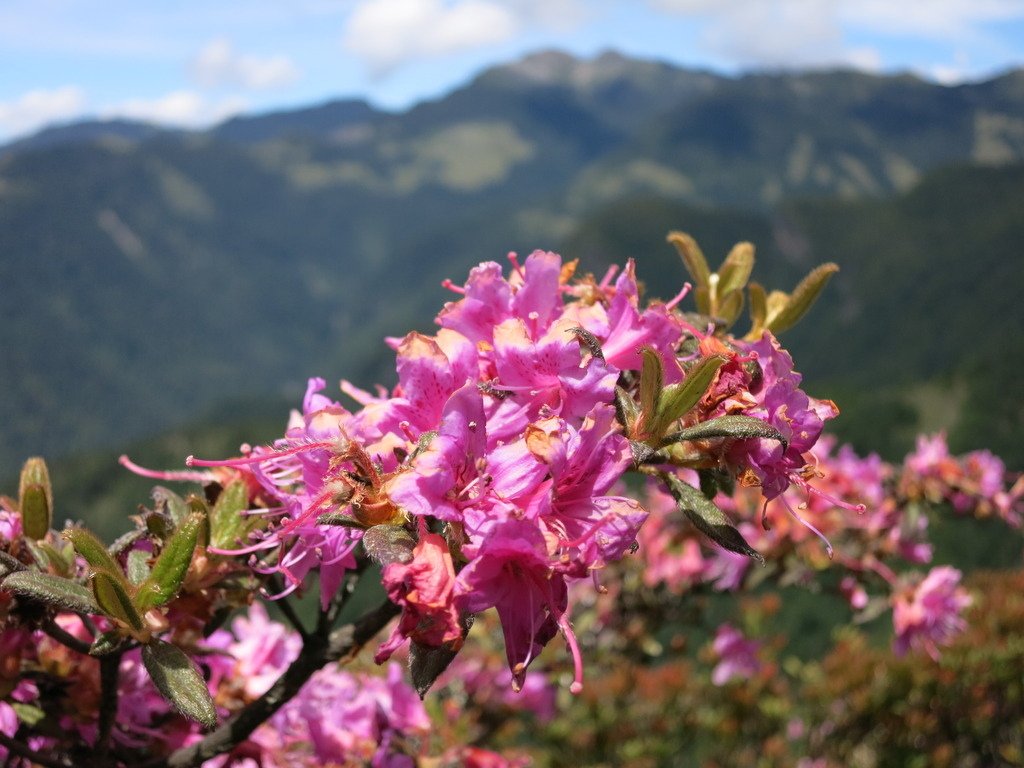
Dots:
pixel 53 590
pixel 735 270
pixel 35 498
pixel 677 399
pixel 737 426
pixel 114 600
pixel 707 518
pixel 694 261
pixel 94 552
pixel 170 568
pixel 426 663
pixel 228 526
pixel 388 544
pixel 802 298
pixel 652 378
pixel 179 681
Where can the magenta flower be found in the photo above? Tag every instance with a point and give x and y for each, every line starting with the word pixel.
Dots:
pixel 511 572
pixel 781 403
pixel 929 615
pixel 424 589
pixel 737 656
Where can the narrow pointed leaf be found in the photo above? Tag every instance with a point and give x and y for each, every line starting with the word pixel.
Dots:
pixel 52 590
pixel 35 498
pixel 626 410
pixel 198 506
pixel 338 518
pixel 731 307
pixel 61 560
pixel 114 600
pixel 707 518
pixel 228 526
pixel 95 554
pixel 652 377
pixel 426 663
pixel 40 555
pixel 738 426
pixel 137 566
pixel 677 399
pixel 388 544
pixel 693 260
pixel 27 713
pixel 641 451
pixel 170 568
pixel 107 643
pixel 802 298
pixel 758 311
pixel 9 564
pixel 168 501
pixel 735 270
pixel 178 679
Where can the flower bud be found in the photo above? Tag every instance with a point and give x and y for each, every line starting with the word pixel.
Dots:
pixel 35 498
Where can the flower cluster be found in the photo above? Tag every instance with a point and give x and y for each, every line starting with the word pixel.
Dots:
pixel 490 470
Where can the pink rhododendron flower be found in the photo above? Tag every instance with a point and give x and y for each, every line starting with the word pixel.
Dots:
pixel 737 656
pixel 929 615
pixel 424 589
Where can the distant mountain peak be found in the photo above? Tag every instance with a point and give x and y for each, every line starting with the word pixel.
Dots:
pixel 555 67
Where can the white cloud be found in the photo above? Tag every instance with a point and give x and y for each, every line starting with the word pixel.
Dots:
pixel 37 108
pixel 219 64
pixel 934 19
pixel 816 32
pixel 386 33
pixel 178 108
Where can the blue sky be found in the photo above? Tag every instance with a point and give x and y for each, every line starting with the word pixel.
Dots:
pixel 195 62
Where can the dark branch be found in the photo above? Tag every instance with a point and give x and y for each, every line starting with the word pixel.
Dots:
pixel 16 747
pixel 318 648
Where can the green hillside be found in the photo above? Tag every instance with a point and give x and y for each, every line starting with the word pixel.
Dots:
pixel 151 276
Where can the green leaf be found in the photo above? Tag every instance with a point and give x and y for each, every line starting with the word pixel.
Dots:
pixel 694 261
pixel 170 567
pixel 758 311
pixel 677 399
pixel 228 526
pixel 9 564
pixel 107 643
pixel 388 544
pixel 95 554
pixel 652 380
pixel 626 410
pixel 138 566
pixel 426 663
pixel 338 518
pixel 52 590
pixel 802 298
pixel 168 501
pixel 35 498
pixel 735 270
pixel 730 307
pixel 114 600
pixel 737 426
pixel 707 518
pixel 178 679
pixel 27 713
pixel 197 505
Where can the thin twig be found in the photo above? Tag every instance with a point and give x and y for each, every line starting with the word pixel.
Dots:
pixel 293 618
pixel 320 647
pixel 21 750
pixel 64 637
pixel 110 668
